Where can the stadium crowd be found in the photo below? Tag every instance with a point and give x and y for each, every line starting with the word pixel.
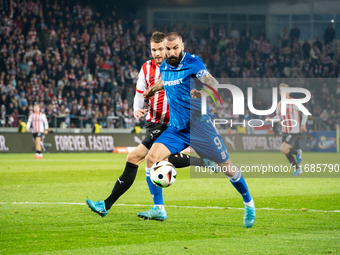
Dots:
pixel 55 54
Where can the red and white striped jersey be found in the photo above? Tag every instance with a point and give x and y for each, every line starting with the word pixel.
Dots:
pixel 158 104
pixel 38 121
pixel 291 120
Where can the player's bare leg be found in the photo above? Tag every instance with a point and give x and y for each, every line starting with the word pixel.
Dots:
pixel 158 152
pixel 285 148
pixel 37 142
pixel 42 144
pixel 228 168
pixel 137 156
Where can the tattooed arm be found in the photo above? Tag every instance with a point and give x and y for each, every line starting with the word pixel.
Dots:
pixel 209 80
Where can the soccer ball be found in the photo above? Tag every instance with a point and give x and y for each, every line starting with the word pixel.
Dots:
pixel 163 174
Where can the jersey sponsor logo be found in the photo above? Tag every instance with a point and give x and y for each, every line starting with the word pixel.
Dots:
pixel 172 83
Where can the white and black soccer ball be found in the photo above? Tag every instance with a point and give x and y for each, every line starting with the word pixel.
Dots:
pixel 163 174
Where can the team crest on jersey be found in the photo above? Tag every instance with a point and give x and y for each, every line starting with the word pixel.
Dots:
pixel 200 74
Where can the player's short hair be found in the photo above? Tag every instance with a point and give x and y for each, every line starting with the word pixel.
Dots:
pixel 173 36
pixel 283 85
pixel 157 37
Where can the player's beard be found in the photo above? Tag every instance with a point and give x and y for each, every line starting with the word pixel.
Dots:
pixel 174 61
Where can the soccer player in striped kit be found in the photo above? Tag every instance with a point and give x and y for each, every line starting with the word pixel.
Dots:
pixel 157 118
pixel 39 124
pixel 291 130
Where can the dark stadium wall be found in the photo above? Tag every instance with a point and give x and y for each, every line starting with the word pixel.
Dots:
pixel 215 8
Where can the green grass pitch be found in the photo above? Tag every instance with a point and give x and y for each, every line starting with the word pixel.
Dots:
pixel 42 209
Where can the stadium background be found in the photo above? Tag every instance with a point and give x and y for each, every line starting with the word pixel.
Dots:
pixel 81 60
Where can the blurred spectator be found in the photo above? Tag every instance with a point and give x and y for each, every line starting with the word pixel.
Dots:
pixel 21 126
pixel 324 115
pixel 318 44
pixel 270 131
pixel 306 49
pixel 294 33
pixel 246 33
pixel 97 128
pixel 234 33
pixel 285 37
pixel 315 54
pixel 3 116
pixel 329 34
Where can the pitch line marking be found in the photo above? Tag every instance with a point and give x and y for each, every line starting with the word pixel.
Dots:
pixel 173 206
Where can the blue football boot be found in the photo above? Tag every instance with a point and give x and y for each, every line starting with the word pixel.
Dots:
pixel 249 216
pixel 97 207
pixel 299 156
pixel 297 172
pixel 153 214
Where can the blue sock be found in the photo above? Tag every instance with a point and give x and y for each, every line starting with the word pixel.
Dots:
pixel 156 192
pixel 240 184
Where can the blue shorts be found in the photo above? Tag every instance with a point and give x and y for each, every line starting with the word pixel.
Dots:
pixel 201 136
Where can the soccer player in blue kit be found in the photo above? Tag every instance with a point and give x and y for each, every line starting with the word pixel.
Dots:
pixel 188 127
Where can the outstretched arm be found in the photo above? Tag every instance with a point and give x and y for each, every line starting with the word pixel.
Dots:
pixel 275 118
pixel 152 91
pixel 28 126
pixel 45 123
pixel 138 104
pixel 303 123
pixel 138 101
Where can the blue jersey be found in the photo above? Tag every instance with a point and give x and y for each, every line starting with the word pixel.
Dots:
pixel 178 82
